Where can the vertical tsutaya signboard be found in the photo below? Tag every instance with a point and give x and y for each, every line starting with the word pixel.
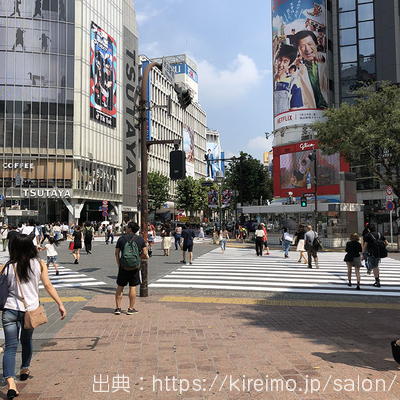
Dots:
pixel 103 73
pixel 130 79
pixel 300 64
pixel 188 147
pixel 212 159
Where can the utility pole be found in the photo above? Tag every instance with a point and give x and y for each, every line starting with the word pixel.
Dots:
pixel 313 157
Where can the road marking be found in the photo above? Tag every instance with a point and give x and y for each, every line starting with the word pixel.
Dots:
pixel 63 299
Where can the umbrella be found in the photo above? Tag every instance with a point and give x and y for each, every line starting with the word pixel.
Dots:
pixel 289 224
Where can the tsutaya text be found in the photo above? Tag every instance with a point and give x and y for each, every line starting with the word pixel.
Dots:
pixel 47 193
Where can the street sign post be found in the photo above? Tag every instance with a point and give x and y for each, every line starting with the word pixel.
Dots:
pixel 390 205
pixel 105 202
pixel 105 213
pixel 389 190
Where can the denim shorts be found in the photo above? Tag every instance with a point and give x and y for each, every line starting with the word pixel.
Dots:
pixel 51 259
pixel 373 262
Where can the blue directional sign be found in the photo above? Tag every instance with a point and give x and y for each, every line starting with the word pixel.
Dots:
pixel 1 197
pixel 308 177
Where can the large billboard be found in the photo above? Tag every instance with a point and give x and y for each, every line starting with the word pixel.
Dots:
pixel 188 147
pixel 297 173
pixel 213 158
pixel 300 63
pixel 103 73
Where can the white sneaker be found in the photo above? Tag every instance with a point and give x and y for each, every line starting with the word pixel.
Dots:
pixel 316 265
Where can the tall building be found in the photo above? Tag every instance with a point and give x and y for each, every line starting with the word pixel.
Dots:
pixel 321 52
pixel 187 125
pixel 68 80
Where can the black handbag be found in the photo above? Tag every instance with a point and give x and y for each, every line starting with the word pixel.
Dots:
pixel 3 285
pixel 348 258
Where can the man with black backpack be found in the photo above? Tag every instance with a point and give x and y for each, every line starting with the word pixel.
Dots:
pixel 375 249
pixel 129 250
pixel 88 236
pixel 312 250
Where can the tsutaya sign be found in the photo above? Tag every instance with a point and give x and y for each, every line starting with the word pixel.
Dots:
pixel 47 193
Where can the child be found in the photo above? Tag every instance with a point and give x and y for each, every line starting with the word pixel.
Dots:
pixel 51 253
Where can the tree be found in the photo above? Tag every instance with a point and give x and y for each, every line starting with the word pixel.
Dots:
pixel 191 196
pixel 256 183
pixel 158 189
pixel 367 134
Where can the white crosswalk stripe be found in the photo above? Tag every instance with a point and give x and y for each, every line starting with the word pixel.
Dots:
pixel 67 278
pixel 241 269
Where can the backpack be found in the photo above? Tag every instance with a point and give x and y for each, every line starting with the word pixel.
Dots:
pixel 317 244
pixel 45 230
pixel 377 248
pixel 130 259
pixel 88 233
pixel 32 234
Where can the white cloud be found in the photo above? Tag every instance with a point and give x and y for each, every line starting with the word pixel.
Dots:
pixel 147 13
pixel 230 84
pixel 259 143
pixel 150 49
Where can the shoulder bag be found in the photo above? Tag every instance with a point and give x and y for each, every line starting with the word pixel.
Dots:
pixel 35 317
pixel 3 285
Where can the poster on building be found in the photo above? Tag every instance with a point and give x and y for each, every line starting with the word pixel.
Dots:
pixel 213 198
pixel 188 147
pixel 296 169
pixel 300 62
pixel 103 85
pixel 213 157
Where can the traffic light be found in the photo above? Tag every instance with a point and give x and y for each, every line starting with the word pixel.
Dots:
pixel 184 96
pixel 177 164
pixel 303 201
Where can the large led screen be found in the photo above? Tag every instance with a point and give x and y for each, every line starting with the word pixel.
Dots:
pixel 296 169
pixel 103 85
pixel 300 62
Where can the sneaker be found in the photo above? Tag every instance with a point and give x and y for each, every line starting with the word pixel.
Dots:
pixel 182 262
pixel 190 263
pixel 358 287
pixel 57 272
pixel 316 265
pixel 377 284
pixel 117 311
pixel 131 311
pixel 76 262
pixel 368 272
pixel 267 254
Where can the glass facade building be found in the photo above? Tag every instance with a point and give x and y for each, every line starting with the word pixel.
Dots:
pixel 58 157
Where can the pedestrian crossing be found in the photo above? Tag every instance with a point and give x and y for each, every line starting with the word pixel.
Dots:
pixel 241 269
pixel 67 277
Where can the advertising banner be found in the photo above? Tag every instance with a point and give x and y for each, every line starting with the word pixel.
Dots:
pixel 188 147
pixel 300 63
pixel 212 159
pixel 103 85
pixel 213 198
pixel 226 198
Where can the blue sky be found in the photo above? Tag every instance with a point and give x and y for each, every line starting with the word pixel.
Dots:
pixel 230 41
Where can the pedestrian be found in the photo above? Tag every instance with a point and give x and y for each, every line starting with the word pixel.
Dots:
pixel 4 233
pixel 187 235
pixel 224 237
pixel 300 233
pixel 265 240
pixel 309 246
pixel 287 239
pixel 11 235
pixel 24 258
pixel 178 236
pixel 57 231
pixel 237 231
pixel 244 234
pixel 364 232
pixel 353 259
pixel 259 235
pixel 77 236
pixel 30 230
pixel 215 234
pixel 201 233
pixel 373 259
pixel 166 238
pixel 46 232
pixel 51 253
pixel 64 230
pixel 133 277
pixel 109 234
pixel 88 236
pixel 150 239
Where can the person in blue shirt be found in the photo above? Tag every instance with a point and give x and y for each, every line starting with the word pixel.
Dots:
pixel 187 235
pixel 287 91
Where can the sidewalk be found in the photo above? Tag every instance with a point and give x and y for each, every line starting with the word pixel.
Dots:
pixel 220 348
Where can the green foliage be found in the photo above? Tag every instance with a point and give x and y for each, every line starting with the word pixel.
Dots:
pixel 255 180
pixel 367 133
pixel 158 189
pixel 191 196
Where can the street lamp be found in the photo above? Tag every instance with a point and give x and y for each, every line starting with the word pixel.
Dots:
pixel 313 157
pixel 219 178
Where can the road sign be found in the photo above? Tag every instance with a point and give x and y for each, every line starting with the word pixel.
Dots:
pixel 105 213
pixel 1 197
pixel 390 206
pixel 308 185
pixel 308 177
pixel 389 190
pixel 168 71
pixel 104 208
pixel 389 198
pixel 105 202
pixel 100 208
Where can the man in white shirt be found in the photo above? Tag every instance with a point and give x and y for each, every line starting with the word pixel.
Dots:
pixel 28 229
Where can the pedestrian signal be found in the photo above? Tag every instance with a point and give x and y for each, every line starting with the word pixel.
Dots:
pixel 303 201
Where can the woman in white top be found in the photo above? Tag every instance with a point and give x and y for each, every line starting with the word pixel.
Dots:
pixel 24 255
pixel 224 237
pixel 259 240
pixel 4 233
